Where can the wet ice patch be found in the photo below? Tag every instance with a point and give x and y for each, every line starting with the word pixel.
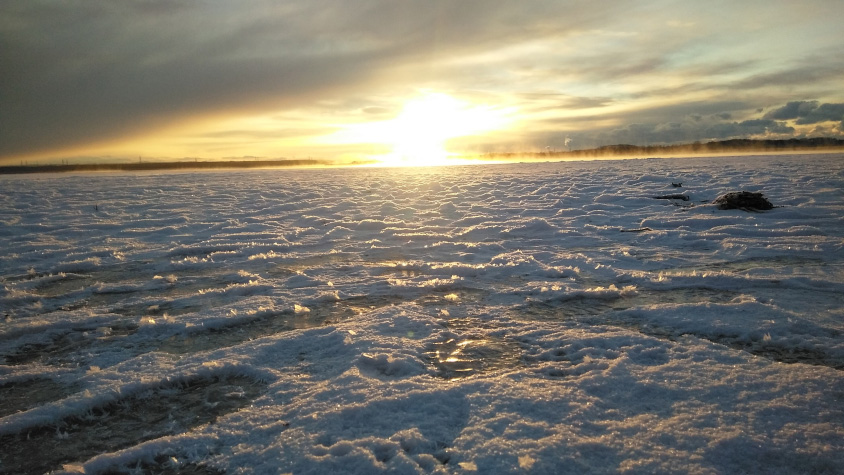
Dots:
pixel 460 357
pixel 466 350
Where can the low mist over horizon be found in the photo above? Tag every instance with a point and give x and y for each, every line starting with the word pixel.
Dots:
pixel 409 83
pixel 732 148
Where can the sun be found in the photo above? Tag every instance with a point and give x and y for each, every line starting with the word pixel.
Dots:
pixel 420 131
pixel 418 135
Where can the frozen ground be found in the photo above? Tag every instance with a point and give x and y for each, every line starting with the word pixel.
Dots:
pixel 536 318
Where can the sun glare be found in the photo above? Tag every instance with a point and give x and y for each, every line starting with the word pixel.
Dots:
pixel 417 136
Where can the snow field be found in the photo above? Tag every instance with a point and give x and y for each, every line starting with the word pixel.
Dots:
pixel 483 319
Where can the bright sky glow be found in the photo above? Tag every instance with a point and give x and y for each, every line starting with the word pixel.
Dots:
pixel 417 136
pixel 408 82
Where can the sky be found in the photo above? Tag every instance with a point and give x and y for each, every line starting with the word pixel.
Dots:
pixel 408 79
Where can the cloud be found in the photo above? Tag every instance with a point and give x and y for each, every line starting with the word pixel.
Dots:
pixel 688 122
pixel 547 101
pixel 823 113
pixel 792 110
pixel 110 69
pixel 820 69
pixel 125 74
pixel 809 112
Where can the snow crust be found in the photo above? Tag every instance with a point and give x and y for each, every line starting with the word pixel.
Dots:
pixel 525 318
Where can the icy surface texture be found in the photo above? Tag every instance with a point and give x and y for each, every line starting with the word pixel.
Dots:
pixel 530 318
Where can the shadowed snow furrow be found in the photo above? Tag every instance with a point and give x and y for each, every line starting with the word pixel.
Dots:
pixel 76 346
pixel 61 344
pixel 167 410
pixel 583 305
pixel 309 317
pixel 626 311
pixel 22 395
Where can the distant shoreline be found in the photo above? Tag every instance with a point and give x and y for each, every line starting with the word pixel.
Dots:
pixel 607 151
pixel 152 166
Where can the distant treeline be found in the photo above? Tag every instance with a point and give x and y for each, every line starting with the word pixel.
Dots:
pixel 145 166
pixel 697 148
